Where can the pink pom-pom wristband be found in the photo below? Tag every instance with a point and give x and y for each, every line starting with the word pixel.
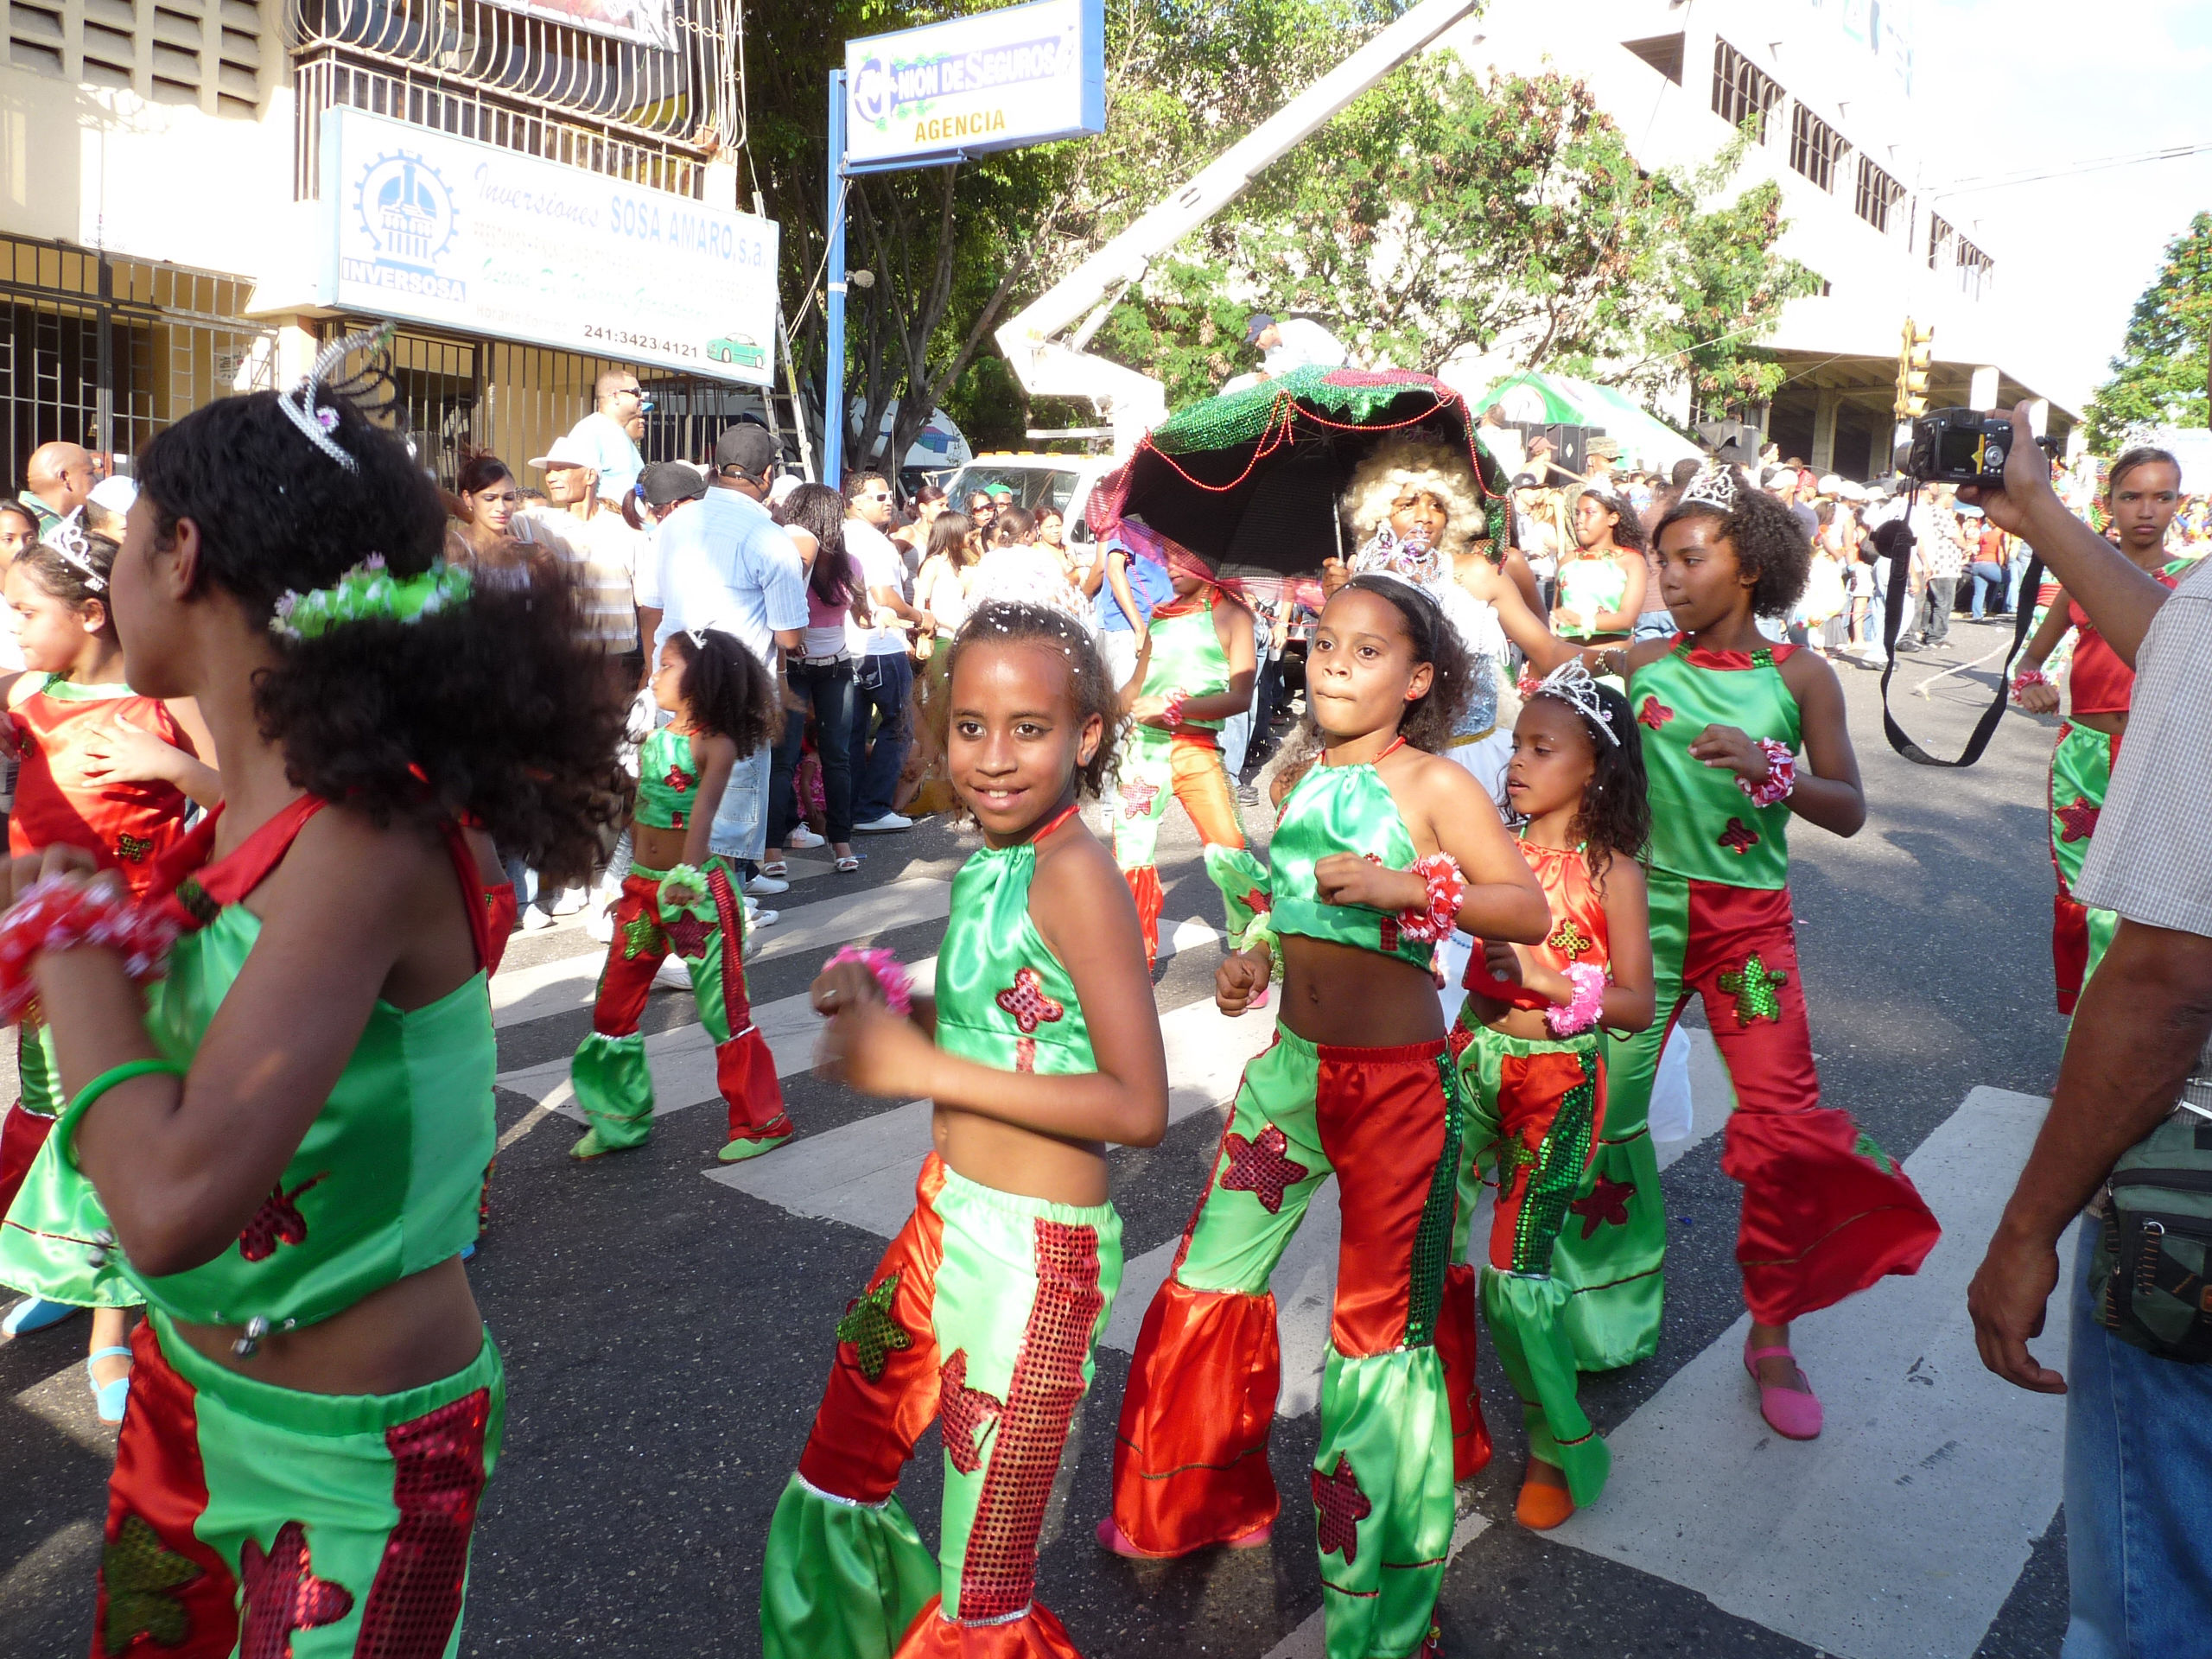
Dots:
pixel 1172 709
pixel 897 985
pixel 1583 1008
pixel 1440 915
pixel 1781 775
pixel 61 912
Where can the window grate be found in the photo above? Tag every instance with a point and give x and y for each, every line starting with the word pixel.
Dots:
pixel 1741 90
pixel 1877 195
pixel 1815 146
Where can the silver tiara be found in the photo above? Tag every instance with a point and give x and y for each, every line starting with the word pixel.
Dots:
pixel 74 549
pixel 305 405
pixel 1572 684
pixel 1713 487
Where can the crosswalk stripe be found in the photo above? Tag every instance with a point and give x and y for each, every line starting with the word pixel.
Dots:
pixel 1903 1528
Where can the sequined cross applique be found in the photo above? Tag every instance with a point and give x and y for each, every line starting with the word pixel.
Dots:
pixel 1654 714
pixel 1606 1206
pixel 688 935
pixel 133 849
pixel 1567 940
pixel 282 1595
pixel 2078 820
pixel 1738 837
pixel 640 936
pixel 1343 1507
pixel 1261 1167
pixel 1754 990
pixel 1026 1002
pixel 869 1326
pixel 1137 798
pixel 963 1413
pixel 678 820
pixel 438 1478
pixel 277 1222
pixel 141 1575
pixel 679 780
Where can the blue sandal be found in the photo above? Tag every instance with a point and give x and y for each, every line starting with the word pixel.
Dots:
pixel 34 1313
pixel 108 1396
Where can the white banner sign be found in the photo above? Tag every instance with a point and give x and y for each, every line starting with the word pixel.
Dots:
pixel 427 228
pixel 995 80
pixel 646 22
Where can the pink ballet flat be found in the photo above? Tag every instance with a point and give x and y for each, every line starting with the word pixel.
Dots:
pixel 1110 1537
pixel 1793 1414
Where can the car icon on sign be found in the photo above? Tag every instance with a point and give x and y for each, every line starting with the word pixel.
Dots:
pixel 740 349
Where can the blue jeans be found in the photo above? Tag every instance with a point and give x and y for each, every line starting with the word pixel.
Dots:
pixel 1988 579
pixel 884 686
pixel 828 690
pixel 2139 1485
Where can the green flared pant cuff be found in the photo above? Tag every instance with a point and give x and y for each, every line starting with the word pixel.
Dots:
pixel 1525 1315
pixel 1381 1499
pixel 615 1087
pixel 841 1580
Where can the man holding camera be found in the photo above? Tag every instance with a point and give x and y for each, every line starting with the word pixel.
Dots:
pixel 2123 1138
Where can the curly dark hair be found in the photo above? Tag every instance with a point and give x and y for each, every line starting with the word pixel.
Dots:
pixel 1615 817
pixel 76 580
pixel 820 511
pixel 496 709
pixel 1428 720
pixel 1628 530
pixel 1768 540
pixel 726 689
pixel 1092 690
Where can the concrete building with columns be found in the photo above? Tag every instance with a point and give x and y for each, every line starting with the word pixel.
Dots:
pixel 1848 123
pixel 164 239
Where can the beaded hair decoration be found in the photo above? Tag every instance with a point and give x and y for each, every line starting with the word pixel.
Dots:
pixel 370 593
pixel 312 405
pixel 1714 487
pixel 1572 684
pixel 74 549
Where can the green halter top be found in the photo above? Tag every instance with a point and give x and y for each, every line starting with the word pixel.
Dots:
pixel 1187 657
pixel 386 1180
pixel 1592 586
pixel 1003 997
pixel 1702 825
pixel 1341 809
pixel 668 780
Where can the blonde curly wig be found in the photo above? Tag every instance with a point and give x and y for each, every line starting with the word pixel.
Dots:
pixel 1437 469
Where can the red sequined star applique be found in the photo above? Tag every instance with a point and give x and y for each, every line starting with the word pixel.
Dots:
pixel 2079 819
pixel 679 780
pixel 963 1413
pixel 1137 798
pixel 1606 1206
pixel 679 820
pixel 282 1595
pixel 1738 837
pixel 687 934
pixel 1258 903
pixel 1026 1002
pixel 1343 1507
pixel 1654 714
pixel 277 1222
pixel 1261 1167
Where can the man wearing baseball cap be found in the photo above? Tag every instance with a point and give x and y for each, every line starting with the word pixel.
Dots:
pixel 1293 343
pixel 664 488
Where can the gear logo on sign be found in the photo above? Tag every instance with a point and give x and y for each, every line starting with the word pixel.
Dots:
pixel 407 219
pixel 875 94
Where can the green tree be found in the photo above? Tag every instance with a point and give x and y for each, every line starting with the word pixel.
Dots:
pixel 2159 377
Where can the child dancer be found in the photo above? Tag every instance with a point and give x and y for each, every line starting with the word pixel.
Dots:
pixel 1721 712
pixel 679 895
pixel 288 1130
pixel 983 1311
pixel 1531 1072
pixel 105 771
pixel 1194 670
pixel 1382 845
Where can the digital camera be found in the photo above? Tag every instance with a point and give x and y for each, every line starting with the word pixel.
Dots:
pixel 1962 446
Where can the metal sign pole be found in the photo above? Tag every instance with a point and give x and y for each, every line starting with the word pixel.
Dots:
pixel 833 377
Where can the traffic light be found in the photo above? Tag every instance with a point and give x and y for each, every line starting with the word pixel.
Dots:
pixel 1914 361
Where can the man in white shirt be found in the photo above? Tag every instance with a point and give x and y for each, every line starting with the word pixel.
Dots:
pixel 608 437
pixel 885 680
pixel 1293 343
pixel 591 536
pixel 1503 442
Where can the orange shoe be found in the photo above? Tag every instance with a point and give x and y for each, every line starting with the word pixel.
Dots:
pixel 1543 1507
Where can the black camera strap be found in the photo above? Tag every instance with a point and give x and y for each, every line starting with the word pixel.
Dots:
pixel 1893 599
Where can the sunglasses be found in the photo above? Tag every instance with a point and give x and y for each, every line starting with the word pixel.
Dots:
pixel 875 495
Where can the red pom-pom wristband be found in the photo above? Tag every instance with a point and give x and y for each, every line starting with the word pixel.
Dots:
pixel 1172 709
pixel 61 912
pixel 2026 677
pixel 1781 776
pixel 890 973
pixel 1446 887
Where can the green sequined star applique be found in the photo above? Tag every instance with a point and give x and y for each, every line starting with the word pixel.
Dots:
pixel 1866 1147
pixel 142 1575
pixel 640 936
pixel 1754 989
pixel 868 1324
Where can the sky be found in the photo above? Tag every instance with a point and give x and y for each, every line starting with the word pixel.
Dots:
pixel 2006 86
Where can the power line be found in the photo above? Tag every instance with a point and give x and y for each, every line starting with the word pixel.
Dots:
pixel 1999 180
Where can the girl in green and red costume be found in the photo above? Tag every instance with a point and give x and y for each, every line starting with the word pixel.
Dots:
pixel 1722 713
pixel 108 772
pixel 1383 846
pixel 288 1128
pixel 1194 670
pixel 2142 494
pixel 984 1311
pixel 1529 1042
pixel 679 896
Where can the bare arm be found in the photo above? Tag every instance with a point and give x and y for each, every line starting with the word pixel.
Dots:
pixel 1629 999
pixel 717 758
pixel 1623 619
pixel 1827 790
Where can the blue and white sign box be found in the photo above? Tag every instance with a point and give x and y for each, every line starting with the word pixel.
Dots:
pixel 427 228
pixel 995 80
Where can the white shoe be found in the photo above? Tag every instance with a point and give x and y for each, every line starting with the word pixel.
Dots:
pixel 599 924
pixel 883 825
pixel 756 917
pixel 767 886
pixel 672 973
pixel 801 836
pixel 567 902
pixel 535 920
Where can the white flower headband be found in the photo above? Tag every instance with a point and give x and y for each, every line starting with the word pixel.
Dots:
pixel 1572 684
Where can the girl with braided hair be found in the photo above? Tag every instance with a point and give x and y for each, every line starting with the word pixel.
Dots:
pixel 1722 713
